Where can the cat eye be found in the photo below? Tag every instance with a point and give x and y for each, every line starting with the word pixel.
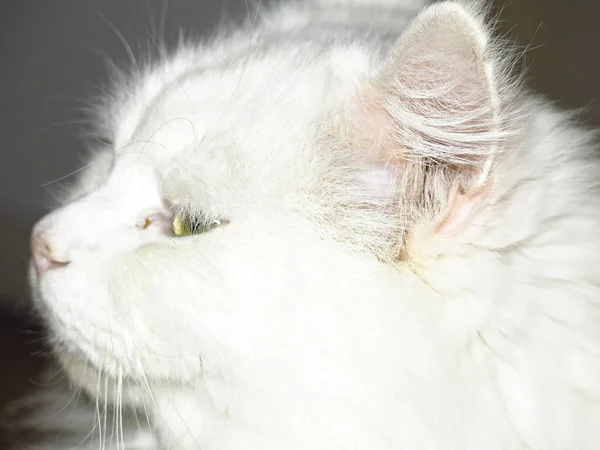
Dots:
pixel 185 226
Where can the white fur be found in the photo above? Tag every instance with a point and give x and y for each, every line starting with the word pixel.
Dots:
pixel 330 312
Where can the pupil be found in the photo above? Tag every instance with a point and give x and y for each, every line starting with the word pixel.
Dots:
pixel 194 226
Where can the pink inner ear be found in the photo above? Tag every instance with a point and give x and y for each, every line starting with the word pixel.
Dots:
pixel 369 132
pixel 372 126
pixel 461 211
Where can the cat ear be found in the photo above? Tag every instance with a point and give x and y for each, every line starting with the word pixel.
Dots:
pixel 435 114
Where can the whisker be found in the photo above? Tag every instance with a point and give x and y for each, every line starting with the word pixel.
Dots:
pixel 250 39
pixel 119 151
pixel 105 411
pixel 120 404
pixel 165 392
pixel 78 398
pixel 166 60
pixel 163 21
pixel 121 38
pixel 164 125
pixel 67 175
pixel 98 409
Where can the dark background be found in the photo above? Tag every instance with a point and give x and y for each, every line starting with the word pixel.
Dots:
pixel 51 61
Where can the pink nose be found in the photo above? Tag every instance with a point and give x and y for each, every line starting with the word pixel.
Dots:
pixel 43 257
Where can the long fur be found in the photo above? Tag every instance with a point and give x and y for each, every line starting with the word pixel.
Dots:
pixel 406 257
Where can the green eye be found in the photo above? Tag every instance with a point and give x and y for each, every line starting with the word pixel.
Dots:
pixel 183 226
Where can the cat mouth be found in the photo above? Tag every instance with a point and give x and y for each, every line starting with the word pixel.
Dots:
pixel 75 352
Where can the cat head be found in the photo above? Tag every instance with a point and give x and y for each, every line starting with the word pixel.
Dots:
pixel 252 212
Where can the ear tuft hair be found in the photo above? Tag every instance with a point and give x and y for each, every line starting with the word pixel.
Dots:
pixel 440 112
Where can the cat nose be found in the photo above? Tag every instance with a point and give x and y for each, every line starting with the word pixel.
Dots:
pixel 44 257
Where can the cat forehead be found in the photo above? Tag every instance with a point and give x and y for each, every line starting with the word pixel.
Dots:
pixel 256 104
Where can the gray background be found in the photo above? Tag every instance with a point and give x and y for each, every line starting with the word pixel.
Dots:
pixel 50 63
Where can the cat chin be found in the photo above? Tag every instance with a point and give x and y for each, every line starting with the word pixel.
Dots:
pixel 99 384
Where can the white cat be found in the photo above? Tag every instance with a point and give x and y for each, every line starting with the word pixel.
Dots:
pixel 333 229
